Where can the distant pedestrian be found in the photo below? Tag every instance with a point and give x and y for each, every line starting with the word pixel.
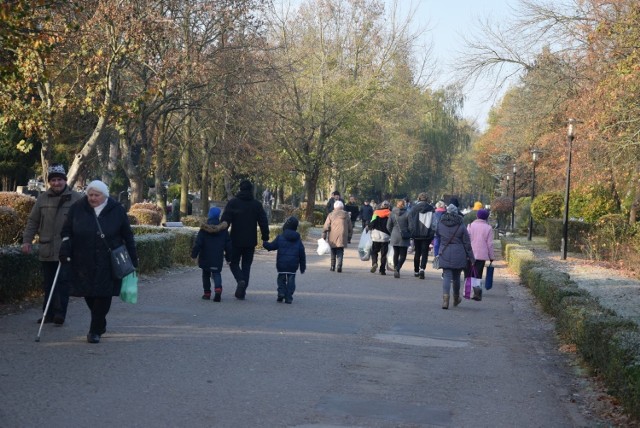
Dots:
pixel 481 235
pixel 366 212
pixel 244 214
pixel 335 196
pixel 46 220
pixel 398 225
pixel 212 245
pixel 455 253
pixel 337 231
pixel 421 233
pixel 290 257
pixel 380 237
pixel 353 209
pixel 441 208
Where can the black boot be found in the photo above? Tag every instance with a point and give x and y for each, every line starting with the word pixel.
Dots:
pixel 477 294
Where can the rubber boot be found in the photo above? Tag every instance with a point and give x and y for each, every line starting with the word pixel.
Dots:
pixel 477 294
pixel 456 300
pixel 445 301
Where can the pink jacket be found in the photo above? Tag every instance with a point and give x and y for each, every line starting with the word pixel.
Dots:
pixel 481 235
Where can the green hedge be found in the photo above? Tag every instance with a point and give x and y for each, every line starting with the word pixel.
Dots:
pixel 609 343
pixel 21 274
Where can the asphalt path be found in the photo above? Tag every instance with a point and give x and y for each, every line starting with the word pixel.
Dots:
pixel 355 349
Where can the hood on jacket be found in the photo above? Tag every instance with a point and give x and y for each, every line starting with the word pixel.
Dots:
pixel 290 235
pixel 450 219
pixel 214 228
pixel 423 207
pixel 399 211
pixel 382 213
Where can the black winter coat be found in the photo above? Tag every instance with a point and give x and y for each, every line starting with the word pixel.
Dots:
pixel 212 245
pixel 243 214
pixel 90 258
pixel 417 228
pixel 290 252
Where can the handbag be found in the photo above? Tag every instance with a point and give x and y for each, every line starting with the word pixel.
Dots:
pixel 472 282
pixel 129 288
pixel 121 264
pixel 488 280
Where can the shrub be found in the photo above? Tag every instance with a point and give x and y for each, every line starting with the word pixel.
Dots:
pixel 502 207
pixel 193 220
pixel 22 204
pixel 145 216
pixel 148 229
pixel 318 217
pixel 608 236
pixel 9 226
pixel 577 234
pixel 547 205
pixel 147 206
pixel 591 203
pixel 132 219
pixel 21 274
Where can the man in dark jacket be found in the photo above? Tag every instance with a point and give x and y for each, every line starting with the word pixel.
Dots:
pixel 422 232
pixel 335 196
pixel 366 212
pixel 380 237
pixel 244 214
pixel 46 220
pixel 291 255
pixel 352 208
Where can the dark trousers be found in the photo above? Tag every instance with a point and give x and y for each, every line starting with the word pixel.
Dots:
pixel 246 255
pixel 99 307
pixel 286 285
pixel 60 298
pixel 479 265
pixel 209 273
pixel 399 256
pixel 383 249
pixel 337 254
pixel 421 254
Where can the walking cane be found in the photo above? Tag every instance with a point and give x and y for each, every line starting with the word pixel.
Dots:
pixel 46 308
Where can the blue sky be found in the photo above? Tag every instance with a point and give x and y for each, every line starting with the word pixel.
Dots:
pixel 447 21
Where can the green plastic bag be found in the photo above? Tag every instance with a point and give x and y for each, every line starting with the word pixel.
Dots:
pixel 129 289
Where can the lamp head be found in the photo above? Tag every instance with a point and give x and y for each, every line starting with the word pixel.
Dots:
pixel 571 127
pixel 514 168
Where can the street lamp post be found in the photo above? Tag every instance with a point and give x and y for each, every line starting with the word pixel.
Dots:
pixel 513 201
pixel 534 154
pixel 565 220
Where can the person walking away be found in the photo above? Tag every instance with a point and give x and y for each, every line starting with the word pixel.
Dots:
pixel 353 209
pixel 441 208
pixel 212 245
pixel 421 233
pixel 366 212
pixel 46 220
pixel 335 196
pixel 398 226
pixel 290 257
pixel 481 235
pixel 95 225
pixel 337 231
pixel 455 253
pixel 380 237
pixel 244 214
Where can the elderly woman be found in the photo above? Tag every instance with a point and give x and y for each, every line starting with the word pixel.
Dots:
pixel 455 253
pixel 88 251
pixel 398 226
pixel 337 231
pixel 481 235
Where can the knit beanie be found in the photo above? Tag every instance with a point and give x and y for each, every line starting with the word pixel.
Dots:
pixel 214 212
pixel 245 185
pixel 483 214
pixel 452 209
pixel 454 202
pixel 56 170
pixel 477 206
pixel 291 223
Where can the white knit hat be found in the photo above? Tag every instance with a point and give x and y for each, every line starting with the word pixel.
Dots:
pixel 99 186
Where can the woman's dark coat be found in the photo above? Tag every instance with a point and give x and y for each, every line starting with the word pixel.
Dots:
pixel 398 225
pixel 212 245
pixel 90 258
pixel 455 244
pixel 290 252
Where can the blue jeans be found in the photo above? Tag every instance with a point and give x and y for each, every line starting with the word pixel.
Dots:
pixel 209 273
pixel 246 254
pixel 286 285
pixel 447 276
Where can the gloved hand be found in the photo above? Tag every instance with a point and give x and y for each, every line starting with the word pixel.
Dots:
pixel 64 255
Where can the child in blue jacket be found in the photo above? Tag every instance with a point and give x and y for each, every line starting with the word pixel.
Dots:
pixel 290 255
pixel 212 244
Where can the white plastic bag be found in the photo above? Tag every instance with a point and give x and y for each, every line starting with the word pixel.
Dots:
pixel 323 247
pixel 364 246
pixel 390 265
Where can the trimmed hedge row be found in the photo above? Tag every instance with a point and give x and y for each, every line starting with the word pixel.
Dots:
pixel 608 342
pixel 21 275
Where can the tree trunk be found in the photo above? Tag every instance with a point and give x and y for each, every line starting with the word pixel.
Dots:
pixel 161 192
pixel 185 161
pixel 204 186
pixel 311 183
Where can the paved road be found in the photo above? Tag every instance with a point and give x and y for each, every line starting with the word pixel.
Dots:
pixel 353 350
